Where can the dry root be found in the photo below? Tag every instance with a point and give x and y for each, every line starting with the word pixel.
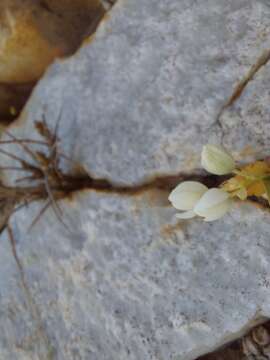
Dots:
pixel 44 179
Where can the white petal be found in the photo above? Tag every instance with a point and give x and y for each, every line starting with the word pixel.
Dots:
pixel 218 211
pixel 187 194
pixel 186 215
pixel 190 186
pixel 186 200
pixel 210 199
pixel 217 160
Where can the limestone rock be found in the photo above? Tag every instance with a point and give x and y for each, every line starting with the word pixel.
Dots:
pixel 163 74
pixel 126 280
pixel 249 118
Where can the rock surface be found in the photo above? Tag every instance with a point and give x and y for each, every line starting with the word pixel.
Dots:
pixel 127 280
pixel 32 34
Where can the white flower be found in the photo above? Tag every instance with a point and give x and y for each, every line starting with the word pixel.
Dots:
pixel 213 204
pixel 185 196
pixel 216 160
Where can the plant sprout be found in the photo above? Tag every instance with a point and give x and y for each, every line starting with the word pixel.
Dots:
pixel 195 199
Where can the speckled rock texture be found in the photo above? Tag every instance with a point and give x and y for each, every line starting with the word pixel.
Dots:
pixel 153 80
pixel 126 279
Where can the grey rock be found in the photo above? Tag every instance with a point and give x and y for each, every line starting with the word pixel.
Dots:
pixel 126 280
pixel 248 119
pixel 143 97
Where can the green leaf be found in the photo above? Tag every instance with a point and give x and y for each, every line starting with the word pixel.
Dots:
pixel 266 183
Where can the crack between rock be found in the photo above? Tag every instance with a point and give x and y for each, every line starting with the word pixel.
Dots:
pixel 233 347
pixel 165 183
pixel 162 183
pixel 240 87
pixel 40 331
pixel 50 183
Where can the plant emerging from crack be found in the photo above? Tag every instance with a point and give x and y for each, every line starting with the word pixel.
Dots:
pixel 195 199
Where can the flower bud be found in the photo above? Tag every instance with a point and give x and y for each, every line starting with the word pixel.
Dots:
pixel 216 160
pixel 213 204
pixel 185 196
